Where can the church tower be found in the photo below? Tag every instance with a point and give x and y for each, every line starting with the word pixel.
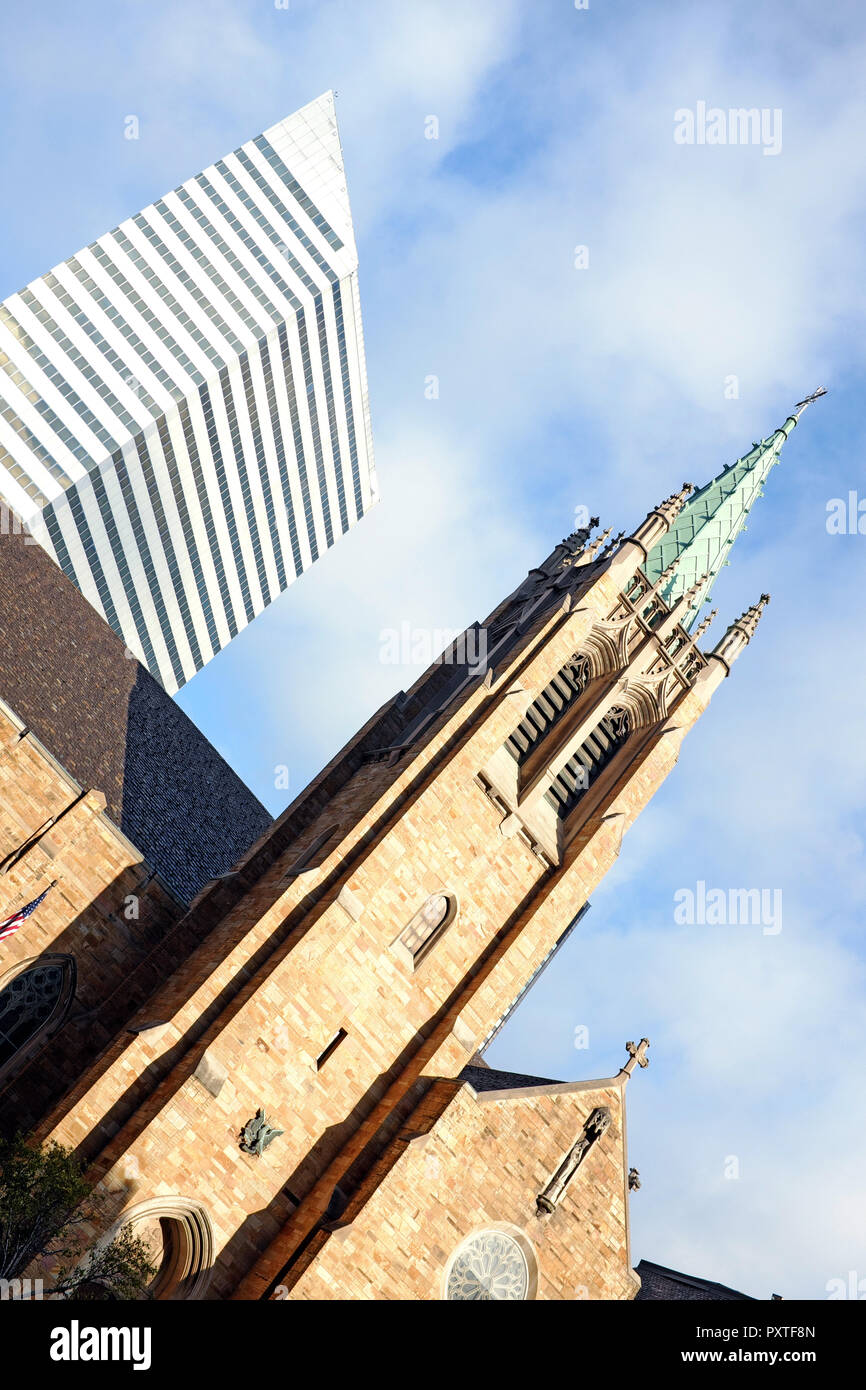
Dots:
pixel 308 1036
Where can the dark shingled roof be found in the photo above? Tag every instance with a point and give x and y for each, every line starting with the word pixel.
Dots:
pixel 68 676
pixel 487 1079
pixel 660 1283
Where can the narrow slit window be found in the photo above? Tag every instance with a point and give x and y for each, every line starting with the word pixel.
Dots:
pixel 331 1048
pixel 311 857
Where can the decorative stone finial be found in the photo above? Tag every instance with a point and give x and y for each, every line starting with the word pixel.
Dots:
pixel 752 616
pixel 575 543
pixel 673 505
pixel 660 519
pixel 749 620
pixel 704 624
pixel 637 1054
pixel 740 633
pixel 612 545
pixel 592 551
pixel 691 594
pixel 578 538
pixel 665 576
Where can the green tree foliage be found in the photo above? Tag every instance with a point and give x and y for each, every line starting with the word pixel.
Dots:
pixel 43 1202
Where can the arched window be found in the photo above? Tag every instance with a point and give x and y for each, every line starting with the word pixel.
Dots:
pixel 33 999
pixel 420 934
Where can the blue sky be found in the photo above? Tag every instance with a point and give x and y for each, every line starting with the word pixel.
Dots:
pixel 561 387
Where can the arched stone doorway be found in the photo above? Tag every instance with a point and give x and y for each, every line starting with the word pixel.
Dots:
pixel 179 1237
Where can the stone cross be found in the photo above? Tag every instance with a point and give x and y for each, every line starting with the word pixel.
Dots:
pixel 636 1054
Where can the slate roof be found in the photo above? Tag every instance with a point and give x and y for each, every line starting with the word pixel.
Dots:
pixel 657 1282
pixel 488 1079
pixel 68 676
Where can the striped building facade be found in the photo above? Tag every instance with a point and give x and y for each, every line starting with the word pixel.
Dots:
pixel 184 418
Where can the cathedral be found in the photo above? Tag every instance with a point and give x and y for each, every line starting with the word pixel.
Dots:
pixel 266 1039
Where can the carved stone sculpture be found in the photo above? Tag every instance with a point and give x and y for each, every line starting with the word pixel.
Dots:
pixel 597 1124
pixel 257 1134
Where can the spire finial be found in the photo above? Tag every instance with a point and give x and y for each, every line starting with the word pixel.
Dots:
pixel 740 632
pixel 579 537
pixel 673 505
pixel 752 616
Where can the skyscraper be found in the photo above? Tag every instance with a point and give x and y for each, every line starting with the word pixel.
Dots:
pixel 184 420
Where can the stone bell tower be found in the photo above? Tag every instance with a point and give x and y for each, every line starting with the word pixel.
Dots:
pixel 306 1014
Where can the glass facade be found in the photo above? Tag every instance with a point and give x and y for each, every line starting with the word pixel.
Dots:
pixel 184 423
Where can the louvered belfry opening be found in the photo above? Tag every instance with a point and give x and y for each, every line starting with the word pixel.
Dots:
pixel 554 701
pixel 587 761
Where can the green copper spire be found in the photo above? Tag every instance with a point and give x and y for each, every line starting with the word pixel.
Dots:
pixel 700 539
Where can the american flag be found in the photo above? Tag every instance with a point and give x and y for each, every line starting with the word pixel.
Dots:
pixel 19 918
